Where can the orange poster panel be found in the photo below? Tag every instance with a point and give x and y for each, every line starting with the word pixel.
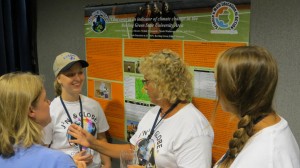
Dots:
pixel 113 107
pixel 224 124
pixel 105 58
pixel 206 106
pixel 141 48
pixel 204 54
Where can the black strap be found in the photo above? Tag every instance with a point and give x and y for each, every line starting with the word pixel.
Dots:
pixel 167 112
pixel 258 119
pixel 80 113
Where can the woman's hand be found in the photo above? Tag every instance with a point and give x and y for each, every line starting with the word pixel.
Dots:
pixel 82 137
pixel 81 164
pixel 83 157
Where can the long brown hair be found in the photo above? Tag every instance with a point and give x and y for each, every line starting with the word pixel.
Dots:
pixel 246 80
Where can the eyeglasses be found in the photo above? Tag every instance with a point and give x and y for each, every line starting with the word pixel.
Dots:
pixel 145 81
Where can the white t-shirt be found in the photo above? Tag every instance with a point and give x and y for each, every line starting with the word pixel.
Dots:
pixel 272 147
pixel 183 140
pixel 94 121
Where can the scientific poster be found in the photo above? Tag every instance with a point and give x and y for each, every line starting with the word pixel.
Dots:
pixel 117 37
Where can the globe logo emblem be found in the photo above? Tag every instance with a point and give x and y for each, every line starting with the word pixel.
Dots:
pixel 98 21
pixel 225 16
pixel 99 24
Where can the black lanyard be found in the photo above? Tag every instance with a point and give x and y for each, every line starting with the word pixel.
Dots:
pixel 80 113
pixel 167 112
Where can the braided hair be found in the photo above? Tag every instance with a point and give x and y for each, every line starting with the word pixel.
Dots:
pixel 246 81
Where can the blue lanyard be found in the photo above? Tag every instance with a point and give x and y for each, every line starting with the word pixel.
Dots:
pixel 80 113
pixel 155 125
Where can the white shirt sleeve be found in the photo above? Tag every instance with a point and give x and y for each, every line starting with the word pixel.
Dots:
pixel 102 122
pixel 195 153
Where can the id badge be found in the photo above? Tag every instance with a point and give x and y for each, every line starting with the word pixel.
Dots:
pixel 145 152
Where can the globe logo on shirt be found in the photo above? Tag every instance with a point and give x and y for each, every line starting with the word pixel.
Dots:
pixel 88 124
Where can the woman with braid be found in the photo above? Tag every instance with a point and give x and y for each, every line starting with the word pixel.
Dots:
pixel 246 79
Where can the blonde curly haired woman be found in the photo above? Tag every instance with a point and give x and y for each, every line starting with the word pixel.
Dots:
pixel 174 133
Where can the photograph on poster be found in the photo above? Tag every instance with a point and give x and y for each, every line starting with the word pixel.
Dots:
pixel 140 91
pixel 102 90
pixel 155 21
pixel 131 128
pixel 134 89
pixel 129 66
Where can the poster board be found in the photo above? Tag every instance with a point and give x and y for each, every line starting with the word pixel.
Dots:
pixel 118 36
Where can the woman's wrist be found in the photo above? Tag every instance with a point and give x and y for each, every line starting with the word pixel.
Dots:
pixel 96 144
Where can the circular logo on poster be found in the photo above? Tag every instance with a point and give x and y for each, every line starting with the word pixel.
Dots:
pixel 225 16
pixel 98 21
pixel 99 24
